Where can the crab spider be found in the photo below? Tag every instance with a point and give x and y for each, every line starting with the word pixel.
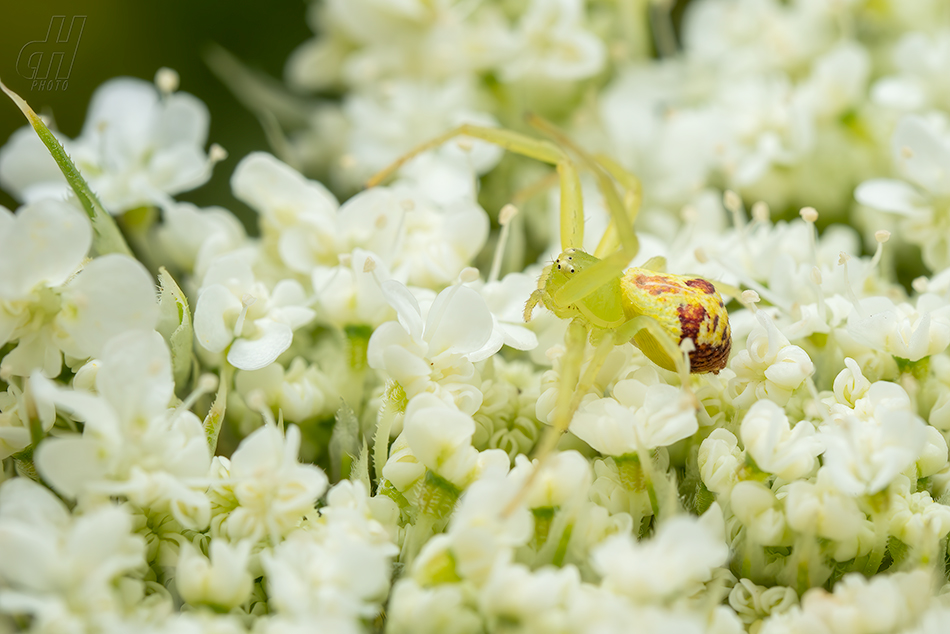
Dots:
pixel 679 322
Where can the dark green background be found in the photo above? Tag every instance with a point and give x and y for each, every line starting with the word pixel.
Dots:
pixel 136 39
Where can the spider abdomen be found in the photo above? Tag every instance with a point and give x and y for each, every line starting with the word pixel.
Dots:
pixel 686 308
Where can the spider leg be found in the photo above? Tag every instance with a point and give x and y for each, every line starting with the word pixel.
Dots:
pixel 541 150
pixel 572 205
pixel 632 198
pixel 572 386
pixel 605 183
pixel 677 355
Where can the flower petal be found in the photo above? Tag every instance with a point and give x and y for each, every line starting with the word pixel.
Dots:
pixel 271 340
pixel 46 243
pixel 211 317
pixel 458 321
pixel 112 294
pixel 888 194
pixel 136 374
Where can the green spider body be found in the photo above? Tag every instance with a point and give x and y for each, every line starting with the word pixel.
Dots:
pixel 683 307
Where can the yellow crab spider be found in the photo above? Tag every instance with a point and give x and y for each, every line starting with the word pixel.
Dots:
pixel 679 322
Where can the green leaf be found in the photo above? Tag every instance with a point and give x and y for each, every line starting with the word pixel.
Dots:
pixel 175 326
pixel 107 237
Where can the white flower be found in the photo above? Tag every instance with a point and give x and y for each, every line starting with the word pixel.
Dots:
pixel 132 444
pixel 505 300
pixel 273 491
pixel 850 384
pixel 40 248
pixel 350 293
pixel 434 351
pixel 753 602
pixel 902 330
pixel 422 235
pixel 775 446
pixel 479 536
pixel 674 563
pixel 237 312
pixel 756 506
pixel 838 81
pixel 297 215
pixel 915 518
pixel 933 456
pixel 536 599
pixel 920 150
pixel 190 238
pixel 301 392
pixel 752 36
pixel 136 148
pixel 331 577
pixel 373 518
pixel 440 609
pixel 670 146
pixel 64 571
pixel 920 82
pixel 641 413
pixel 439 437
pixel 506 418
pixel 866 449
pixel 15 422
pixel 438 238
pixel 111 295
pixel 769 367
pixel 858 605
pixel 720 460
pixel 819 507
pixel 43 243
pixel 553 44
pixel 389 119
pixel 564 479
pixel 221 581
pixel 767 128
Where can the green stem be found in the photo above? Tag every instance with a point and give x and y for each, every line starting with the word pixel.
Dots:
pixel 880 544
pixel 108 238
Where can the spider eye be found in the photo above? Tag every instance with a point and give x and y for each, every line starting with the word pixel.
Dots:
pixel 558 266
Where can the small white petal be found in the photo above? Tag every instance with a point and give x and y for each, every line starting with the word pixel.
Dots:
pixel 458 321
pixel 890 195
pixel 217 308
pixel 69 463
pixel 406 307
pixel 136 374
pixel 112 294
pixel 45 243
pixel 267 184
pixel 271 339
pixel 922 156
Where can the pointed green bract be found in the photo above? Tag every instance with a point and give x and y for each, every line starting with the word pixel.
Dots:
pixel 344 443
pixel 107 238
pixel 175 326
pixel 212 422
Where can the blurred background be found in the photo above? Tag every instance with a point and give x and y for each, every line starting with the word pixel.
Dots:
pixel 136 39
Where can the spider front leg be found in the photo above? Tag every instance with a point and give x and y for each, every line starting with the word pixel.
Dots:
pixel 572 385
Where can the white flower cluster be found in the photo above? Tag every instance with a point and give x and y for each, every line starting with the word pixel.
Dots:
pixel 327 421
